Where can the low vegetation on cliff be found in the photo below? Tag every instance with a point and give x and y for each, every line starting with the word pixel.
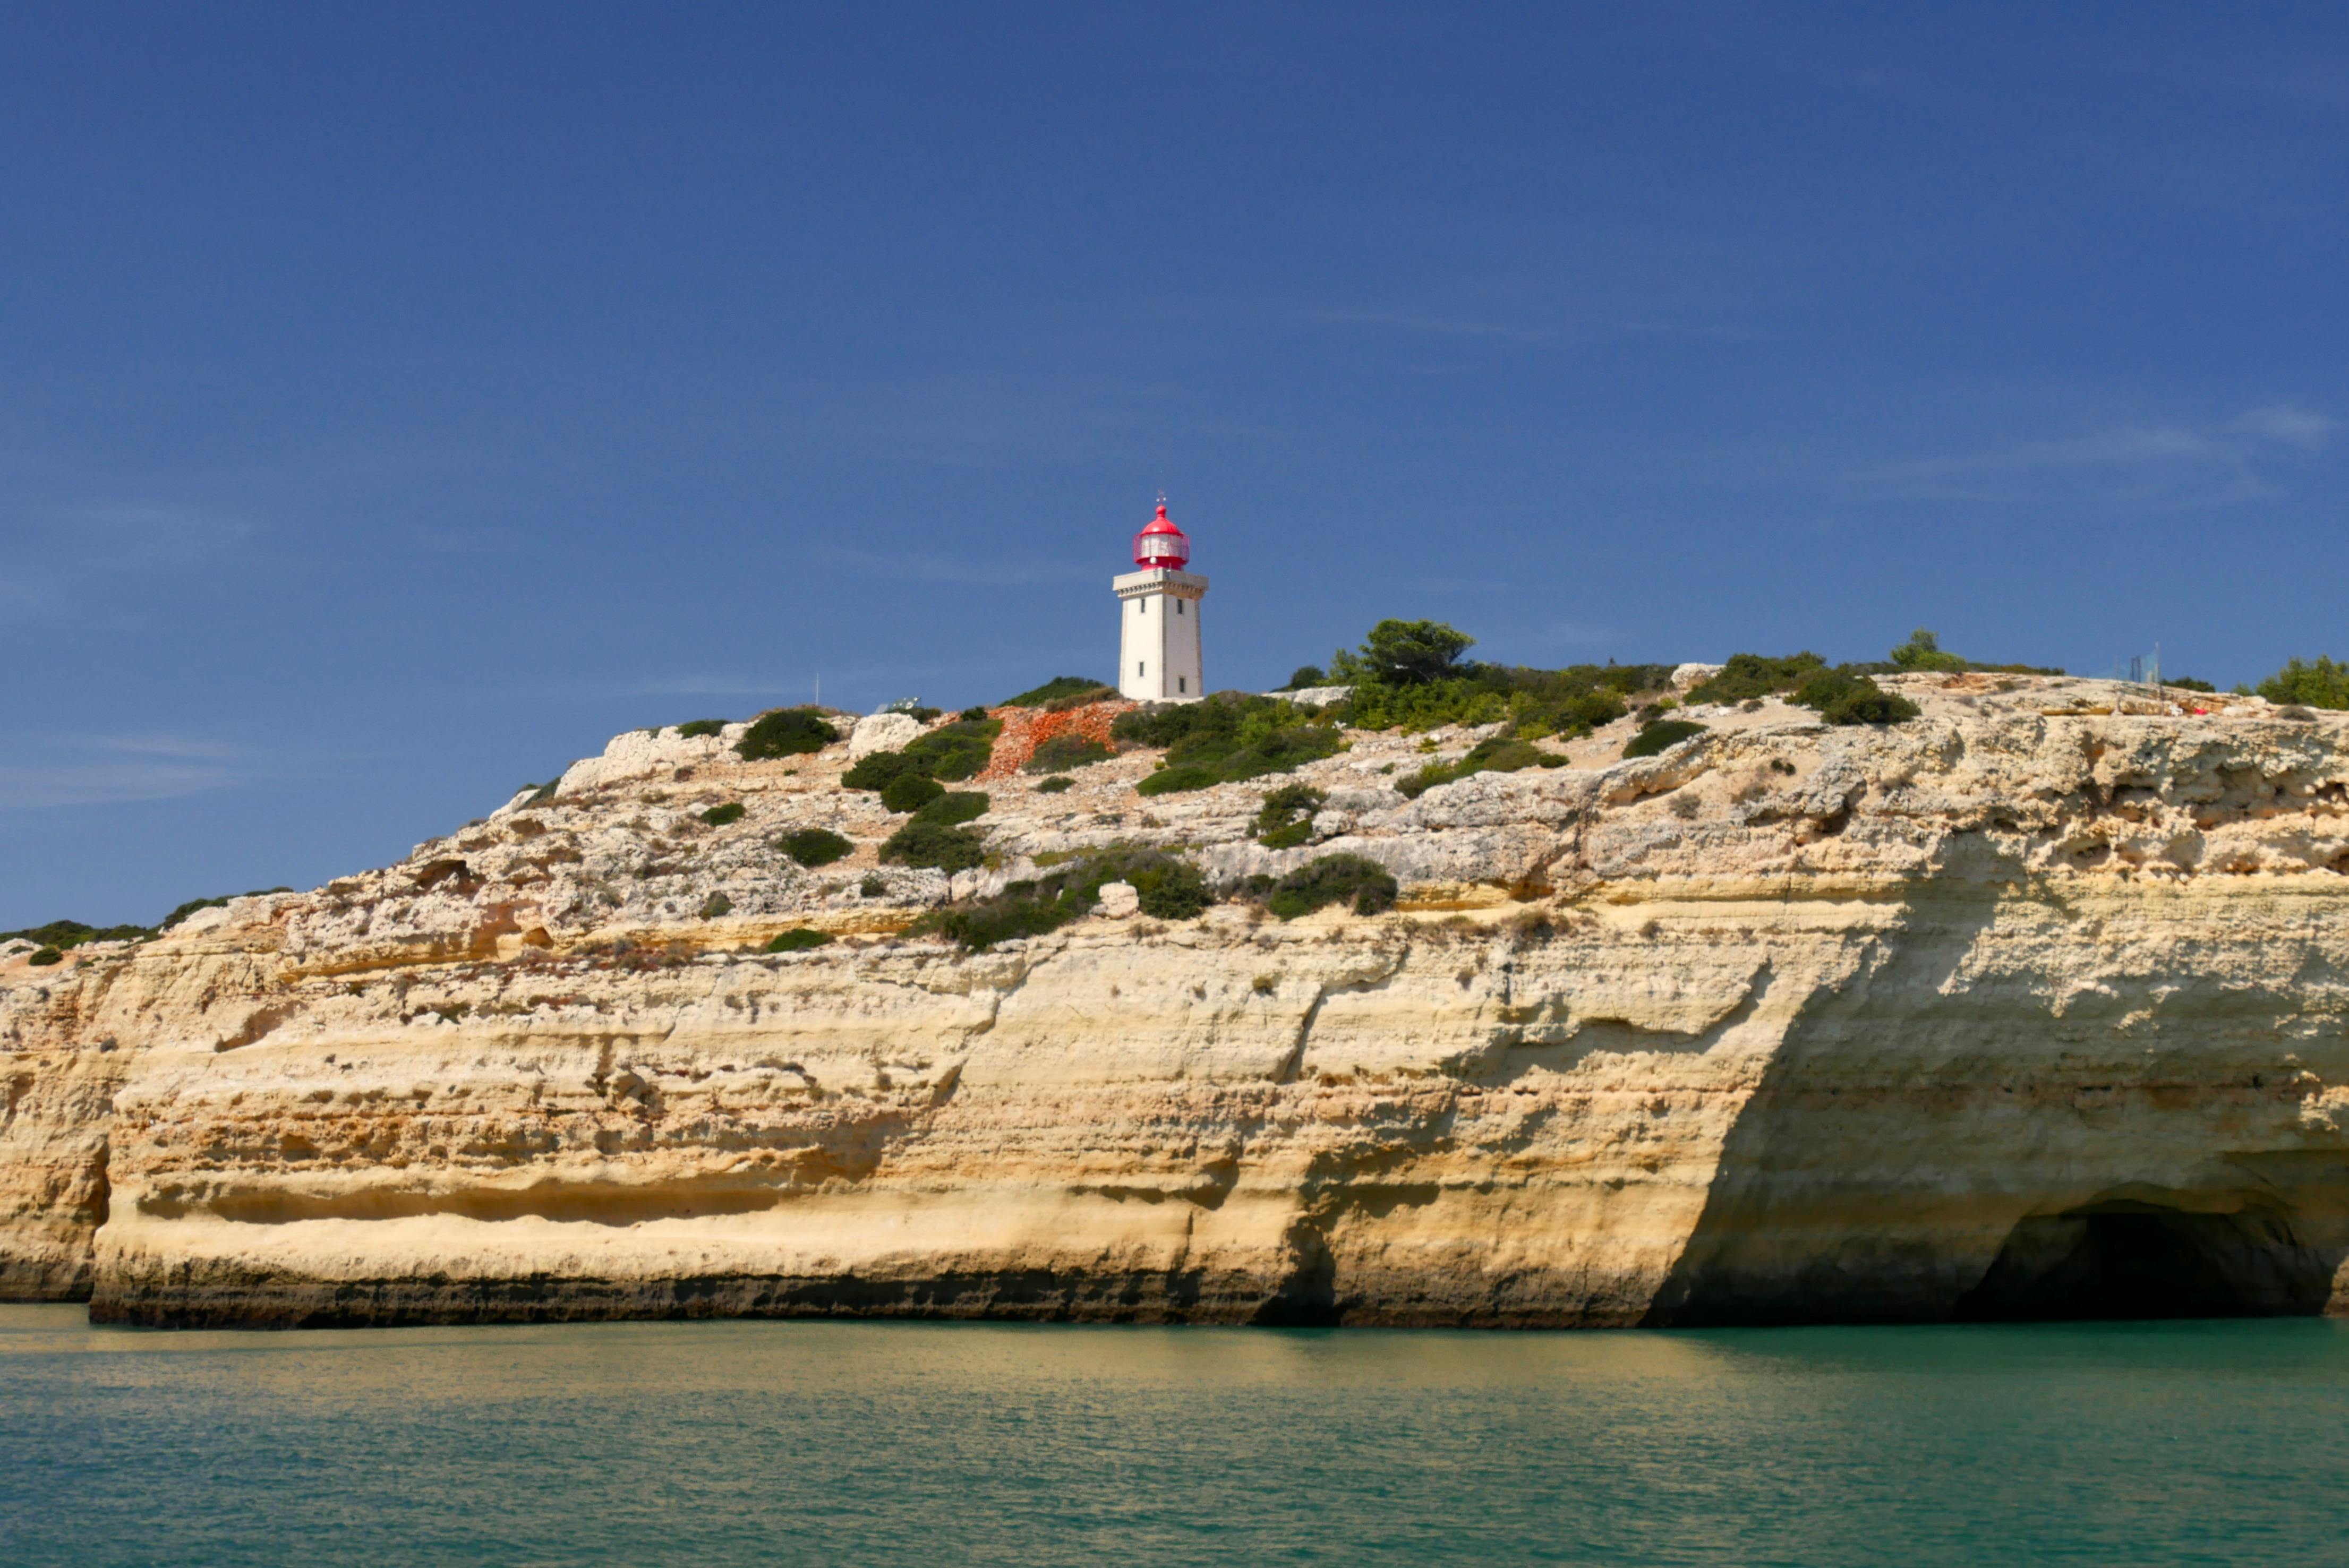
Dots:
pixel 1063 692
pixel 935 836
pixel 1224 737
pixel 1063 752
pixel 948 754
pixel 814 846
pixel 1285 819
pixel 938 846
pixel 1842 695
pixel 1411 675
pixel 1495 754
pixel 786 732
pixel 63 934
pixel 62 937
pixel 1363 886
pixel 2307 683
pixel 1170 887
pixel 1660 735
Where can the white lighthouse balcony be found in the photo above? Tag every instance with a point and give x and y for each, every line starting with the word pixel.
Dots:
pixel 1159 580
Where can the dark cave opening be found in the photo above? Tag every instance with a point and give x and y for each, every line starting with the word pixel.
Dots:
pixel 2125 1259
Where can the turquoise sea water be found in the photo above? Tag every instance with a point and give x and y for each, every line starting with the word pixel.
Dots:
pixel 885 1443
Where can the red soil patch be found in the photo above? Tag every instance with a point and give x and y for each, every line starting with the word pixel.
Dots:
pixel 1026 728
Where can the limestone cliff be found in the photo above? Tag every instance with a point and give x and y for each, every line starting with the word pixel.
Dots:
pixel 2033 1003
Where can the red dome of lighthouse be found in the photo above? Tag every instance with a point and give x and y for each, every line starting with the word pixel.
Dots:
pixel 1162 544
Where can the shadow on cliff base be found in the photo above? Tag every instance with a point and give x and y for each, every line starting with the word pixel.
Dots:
pixel 2130 1259
pixel 1825 1207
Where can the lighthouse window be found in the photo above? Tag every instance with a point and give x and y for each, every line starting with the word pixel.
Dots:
pixel 1182 682
pixel 1141 667
pixel 1142 607
pixel 1178 606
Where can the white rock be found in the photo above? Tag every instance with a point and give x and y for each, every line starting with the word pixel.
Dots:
pixel 1687 676
pixel 1119 899
pixel 882 732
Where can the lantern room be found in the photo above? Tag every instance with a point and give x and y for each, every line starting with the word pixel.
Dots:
pixel 1162 546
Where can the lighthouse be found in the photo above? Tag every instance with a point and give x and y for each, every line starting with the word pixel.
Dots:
pixel 1158 628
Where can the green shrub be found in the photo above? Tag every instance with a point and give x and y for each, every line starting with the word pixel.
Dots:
pixel 1404 653
pixel 539 793
pixel 948 753
pixel 1495 754
pixel 936 845
pixel 799 939
pixel 1305 676
pixel 1363 885
pixel 814 846
pixel 1923 651
pixel 718 816
pixel 977 716
pixel 1063 752
pixel 193 904
pixel 65 935
pixel 1660 735
pixel 873 886
pixel 1534 703
pixel 2320 683
pixel 718 903
pixel 1056 786
pixel 1170 889
pixel 1756 674
pixel 911 792
pixel 950 808
pixel 45 956
pixel 1422 705
pixel 1228 737
pixel 692 727
pixel 1285 819
pixel 1842 698
pixel 1058 688
pixel 1179 781
pixel 2188 683
pixel 786 732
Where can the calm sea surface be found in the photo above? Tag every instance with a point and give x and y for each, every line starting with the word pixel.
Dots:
pixel 882 1443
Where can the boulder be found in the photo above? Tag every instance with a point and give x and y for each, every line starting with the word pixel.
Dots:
pixel 882 732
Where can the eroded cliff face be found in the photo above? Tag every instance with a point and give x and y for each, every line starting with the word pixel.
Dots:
pixel 2033 1005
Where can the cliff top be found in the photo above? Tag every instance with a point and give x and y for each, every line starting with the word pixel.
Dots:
pixel 2023 774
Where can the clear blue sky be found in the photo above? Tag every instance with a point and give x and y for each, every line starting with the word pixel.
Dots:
pixel 397 401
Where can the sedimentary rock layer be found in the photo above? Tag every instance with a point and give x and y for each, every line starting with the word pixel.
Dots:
pixel 2033 1005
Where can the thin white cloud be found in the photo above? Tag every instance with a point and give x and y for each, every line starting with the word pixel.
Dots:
pixel 2288 424
pixel 30 788
pixel 162 745
pixel 2106 448
pixel 2161 465
pixel 95 770
pixel 56 552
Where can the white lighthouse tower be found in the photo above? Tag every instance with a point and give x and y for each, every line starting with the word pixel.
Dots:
pixel 1158 629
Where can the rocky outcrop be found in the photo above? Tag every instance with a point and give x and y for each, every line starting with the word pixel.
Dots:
pixel 2032 1005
